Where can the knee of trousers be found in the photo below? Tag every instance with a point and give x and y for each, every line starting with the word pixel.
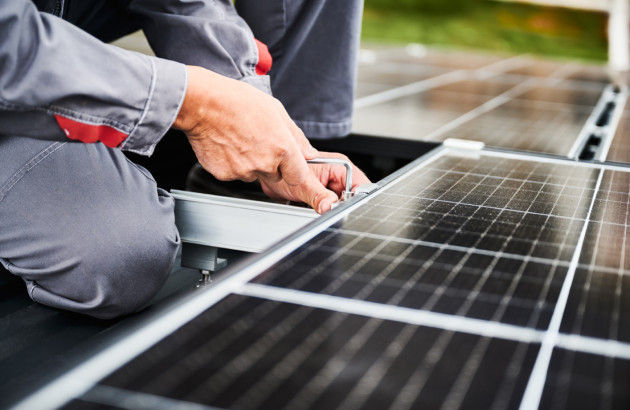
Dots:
pixel 86 229
pixel 110 281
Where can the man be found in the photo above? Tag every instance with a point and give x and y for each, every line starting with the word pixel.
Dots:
pixel 88 230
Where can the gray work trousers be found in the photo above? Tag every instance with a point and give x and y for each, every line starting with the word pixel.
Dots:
pixel 89 231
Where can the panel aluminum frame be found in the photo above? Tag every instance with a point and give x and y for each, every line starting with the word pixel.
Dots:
pixel 234 223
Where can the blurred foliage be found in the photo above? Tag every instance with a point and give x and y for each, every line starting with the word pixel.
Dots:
pixel 429 6
pixel 489 25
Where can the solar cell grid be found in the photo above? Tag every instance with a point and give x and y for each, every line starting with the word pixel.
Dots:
pixel 395 75
pixel 491 87
pixel 492 242
pixel 539 68
pixel 250 353
pixel 599 303
pixel 620 146
pixel 416 115
pixel 581 380
pixel 566 93
pixel 593 73
pixel 439 59
pixel 545 113
pixel 373 79
pixel 526 126
pixel 607 239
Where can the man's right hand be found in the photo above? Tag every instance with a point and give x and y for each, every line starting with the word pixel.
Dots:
pixel 239 132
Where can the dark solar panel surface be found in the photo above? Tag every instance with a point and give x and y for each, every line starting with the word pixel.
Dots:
pixel 599 303
pixel 527 126
pixel 416 115
pixel 385 76
pixel 620 147
pixel 585 381
pixel 539 68
pixel 570 93
pixel 487 238
pixel 545 114
pixel 395 75
pixel 590 73
pixel 248 353
pixel 473 86
pixel 437 58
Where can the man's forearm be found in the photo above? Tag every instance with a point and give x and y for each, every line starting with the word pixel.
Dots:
pixel 60 83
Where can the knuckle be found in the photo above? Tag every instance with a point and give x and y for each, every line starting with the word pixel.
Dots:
pixel 342 156
pixel 264 167
pixel 222 175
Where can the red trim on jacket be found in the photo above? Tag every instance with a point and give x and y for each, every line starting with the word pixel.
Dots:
pixel 264 59
pixel 89 133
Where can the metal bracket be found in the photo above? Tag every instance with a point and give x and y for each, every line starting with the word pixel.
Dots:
pixel 596 136
pixel 347 193
pixel 203 258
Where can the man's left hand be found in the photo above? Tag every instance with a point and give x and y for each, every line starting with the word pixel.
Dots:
pixel 332 176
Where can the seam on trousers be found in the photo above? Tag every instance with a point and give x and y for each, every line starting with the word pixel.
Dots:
pixel 31 292
pixel 20 173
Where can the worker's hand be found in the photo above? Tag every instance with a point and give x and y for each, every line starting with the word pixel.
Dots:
pixel 239 132
pixel 331 176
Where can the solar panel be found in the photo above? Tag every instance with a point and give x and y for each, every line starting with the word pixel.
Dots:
pixel 525 125
pixel 458 225
pixel 539 68
pixel 590 73
pixel 462 283
pixel 254 353
pixel 566 92
pixel 417 115
pixel 599 305
pixel 620 146
pixel 539 106
pixel 396 75
pixel 428 57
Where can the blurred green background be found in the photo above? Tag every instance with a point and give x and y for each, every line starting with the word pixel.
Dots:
pixel 489 25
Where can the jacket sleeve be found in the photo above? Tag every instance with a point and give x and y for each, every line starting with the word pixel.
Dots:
pixel 206 33
pixel 59 83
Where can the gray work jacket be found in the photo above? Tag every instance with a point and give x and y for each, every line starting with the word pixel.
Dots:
pixel 57 81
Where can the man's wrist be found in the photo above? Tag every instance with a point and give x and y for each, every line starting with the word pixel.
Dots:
pixel 186 118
